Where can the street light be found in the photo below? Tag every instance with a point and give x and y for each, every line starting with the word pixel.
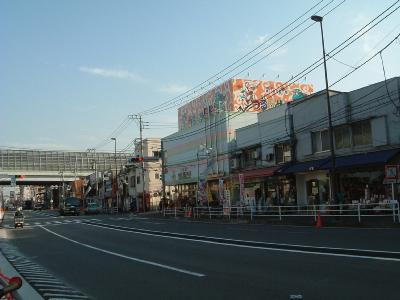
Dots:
pixel 330 129
pixel 115 163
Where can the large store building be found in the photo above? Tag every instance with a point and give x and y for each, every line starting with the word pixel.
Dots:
pixel 199 154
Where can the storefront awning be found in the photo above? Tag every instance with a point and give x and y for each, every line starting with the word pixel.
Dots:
pixel 304 166
pixel 259 173
pixel 342 162
pixel 363 159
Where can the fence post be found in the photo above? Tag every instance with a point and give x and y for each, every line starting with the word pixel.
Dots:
pixel 280 213
pixel 359 212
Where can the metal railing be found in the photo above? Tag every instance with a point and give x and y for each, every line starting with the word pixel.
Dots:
pixel 359 211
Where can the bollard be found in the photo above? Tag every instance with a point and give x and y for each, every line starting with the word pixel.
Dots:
pixel 175 211
pixel 359 212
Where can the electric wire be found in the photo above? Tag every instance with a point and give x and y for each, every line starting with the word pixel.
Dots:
pixel 356 36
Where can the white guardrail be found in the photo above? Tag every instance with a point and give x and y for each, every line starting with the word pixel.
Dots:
pixel 355 210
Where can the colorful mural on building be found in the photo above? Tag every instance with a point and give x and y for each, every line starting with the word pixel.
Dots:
pixel 240 95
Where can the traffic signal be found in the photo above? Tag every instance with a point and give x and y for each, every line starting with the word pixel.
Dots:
pixel 136 159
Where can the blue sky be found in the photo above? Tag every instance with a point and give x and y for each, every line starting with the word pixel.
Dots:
pixel 71 71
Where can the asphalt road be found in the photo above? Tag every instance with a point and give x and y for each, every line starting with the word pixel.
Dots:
pixel 131 257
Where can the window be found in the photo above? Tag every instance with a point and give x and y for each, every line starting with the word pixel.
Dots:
pixel 157 176
pixel 320 141
pixel 157 154
pixel 342 137
pixel 251 157
pixel 132 181
pixel 361 132
pixel 137 179
pixel 282 153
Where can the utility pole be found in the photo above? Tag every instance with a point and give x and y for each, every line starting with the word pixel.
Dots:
pixel 142 155
pixel 163 173
pixel 115 164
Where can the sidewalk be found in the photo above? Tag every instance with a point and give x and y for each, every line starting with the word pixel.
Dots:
pixel 26 291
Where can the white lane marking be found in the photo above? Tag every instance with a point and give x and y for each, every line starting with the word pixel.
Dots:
pixel 229 242
pixel 64 290
pixel 68 296
pixel 36 276
pixel 127 257
pixel 55 281
pixel 37 223
pixel 55 285
pixel 30 269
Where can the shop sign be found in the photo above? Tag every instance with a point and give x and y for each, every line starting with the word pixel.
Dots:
pixel 221 190
pixel 185 174
pixel 392 174
pixel 227 203
pixel 241 187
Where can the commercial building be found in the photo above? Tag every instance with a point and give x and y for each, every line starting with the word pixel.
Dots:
pixel 199 154
pixel 284 158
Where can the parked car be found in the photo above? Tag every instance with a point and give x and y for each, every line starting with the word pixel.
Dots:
pixel 92 208
pixel 38 206
pixel 70 206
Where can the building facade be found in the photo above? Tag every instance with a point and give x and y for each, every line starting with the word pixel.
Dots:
pixel 198 156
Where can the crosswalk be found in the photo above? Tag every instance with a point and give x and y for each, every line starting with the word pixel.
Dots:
pixel 52 223
pixel 41 279
pixel 40 213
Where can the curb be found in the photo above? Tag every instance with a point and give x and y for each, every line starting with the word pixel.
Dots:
pixel 26 291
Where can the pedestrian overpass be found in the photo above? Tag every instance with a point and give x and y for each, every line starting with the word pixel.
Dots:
pixel 34 167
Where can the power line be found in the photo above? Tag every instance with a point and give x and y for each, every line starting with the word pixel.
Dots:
pixel 180 98
pixel 343 77
pixel 357 35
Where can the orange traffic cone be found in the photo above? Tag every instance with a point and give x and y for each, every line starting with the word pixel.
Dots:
pixel 319 221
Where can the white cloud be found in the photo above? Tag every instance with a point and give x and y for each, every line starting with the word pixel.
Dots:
pixel 113 73
pixel 371 38
pixel 261 39
pixel 174 89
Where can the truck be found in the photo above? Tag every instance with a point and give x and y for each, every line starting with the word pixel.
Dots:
pixel 70 206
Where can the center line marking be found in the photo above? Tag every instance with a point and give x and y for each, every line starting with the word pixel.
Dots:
pixel 125 256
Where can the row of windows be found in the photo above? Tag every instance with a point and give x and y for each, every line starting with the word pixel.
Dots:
pixel 345 136
pixel 134 180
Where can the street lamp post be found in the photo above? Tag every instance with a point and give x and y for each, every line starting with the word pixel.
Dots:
pixel 115 164
pixel 330 129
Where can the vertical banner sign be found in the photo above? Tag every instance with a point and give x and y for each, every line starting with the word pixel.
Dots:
pixel 241 187
pixel 13 181
pixel 221 190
